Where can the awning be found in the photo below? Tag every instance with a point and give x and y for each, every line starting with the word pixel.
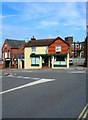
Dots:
pixel 46 55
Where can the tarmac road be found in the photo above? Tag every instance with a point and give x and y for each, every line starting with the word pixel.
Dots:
pixel 43 93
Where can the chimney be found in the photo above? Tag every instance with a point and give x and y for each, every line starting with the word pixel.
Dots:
pixel 69 39
pixel 33 38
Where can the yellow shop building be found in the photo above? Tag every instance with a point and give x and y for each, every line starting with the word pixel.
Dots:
pixel 45 53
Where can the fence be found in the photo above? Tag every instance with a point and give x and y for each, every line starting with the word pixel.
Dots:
pixel 78 61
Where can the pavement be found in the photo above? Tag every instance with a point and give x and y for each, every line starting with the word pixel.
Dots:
pixel 44 93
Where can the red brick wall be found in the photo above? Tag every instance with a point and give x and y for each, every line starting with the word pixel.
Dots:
pixel 72 49
pixel 52 47
pixel 12 52
pixel 6 49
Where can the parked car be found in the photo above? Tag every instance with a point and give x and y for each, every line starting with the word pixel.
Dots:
pixel 70 62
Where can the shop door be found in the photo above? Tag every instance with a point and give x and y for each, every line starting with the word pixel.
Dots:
pixel 44 61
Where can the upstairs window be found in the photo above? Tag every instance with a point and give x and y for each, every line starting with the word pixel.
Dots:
pixel 33 49
pixel 77 45
pixel 5 54
pixel 73 45
pixel 5 45
pixel 58 48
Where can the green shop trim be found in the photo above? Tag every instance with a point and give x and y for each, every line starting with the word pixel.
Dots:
pixel 46 55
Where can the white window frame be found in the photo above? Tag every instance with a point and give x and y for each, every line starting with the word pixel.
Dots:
pixel 5 54
pixel 58 48
pixel 72 53
pixel 72 45
pixel 5 45
pixel 77 45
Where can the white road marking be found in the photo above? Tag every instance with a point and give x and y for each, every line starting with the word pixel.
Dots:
pixel 76 72
pixel 23 77
pixel 27 85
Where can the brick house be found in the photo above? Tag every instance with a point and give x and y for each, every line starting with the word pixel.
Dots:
pixel 86 51
pixel 75 49
pixel 11 51
pixel 45 53
pixel 82 45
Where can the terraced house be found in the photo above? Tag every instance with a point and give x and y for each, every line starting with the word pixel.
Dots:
pixel 45 53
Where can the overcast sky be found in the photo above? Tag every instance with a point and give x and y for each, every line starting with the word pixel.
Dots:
pixel 43 20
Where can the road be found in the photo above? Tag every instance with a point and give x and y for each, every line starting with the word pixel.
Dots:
pixel 44 93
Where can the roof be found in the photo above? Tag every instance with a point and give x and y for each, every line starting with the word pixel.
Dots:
pixel 43 42
pixel 15 43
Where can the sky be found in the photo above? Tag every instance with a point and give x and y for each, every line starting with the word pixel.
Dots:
pixel 43 20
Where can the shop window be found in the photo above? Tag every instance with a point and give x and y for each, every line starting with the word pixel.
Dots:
pixel 60 61
pixel 33 49
pixel 58 48
pixel 35 61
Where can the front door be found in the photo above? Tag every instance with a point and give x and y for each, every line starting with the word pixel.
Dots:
pixel 7 64
pixel 44 61
pixel 22 64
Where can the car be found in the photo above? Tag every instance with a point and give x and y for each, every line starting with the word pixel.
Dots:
pixel 70 62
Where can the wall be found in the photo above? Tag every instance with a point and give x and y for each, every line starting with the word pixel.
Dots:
pixel 52 47
pixel 28 52
pixel 12 52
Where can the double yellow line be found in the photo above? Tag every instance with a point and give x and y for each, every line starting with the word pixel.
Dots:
pixel 83 113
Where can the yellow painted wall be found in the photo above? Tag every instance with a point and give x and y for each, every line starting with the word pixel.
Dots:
pixel 41 50
pixel 68 60
pixel 20 63
pixel 27 53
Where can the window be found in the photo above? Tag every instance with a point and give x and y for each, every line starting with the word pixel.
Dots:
pixel 35 61
pixel 73 45
pixel 82 53
pixel 60 61
pixel 33 49
pixel 72 53
pixel 46 49
pixel 58 48
pixel 5 54
pixel 77 45
pixel 5 45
